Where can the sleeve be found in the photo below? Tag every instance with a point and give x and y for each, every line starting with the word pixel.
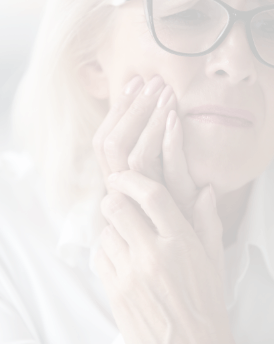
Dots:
pixel 119 340
pixel 13 330
pixel 16 326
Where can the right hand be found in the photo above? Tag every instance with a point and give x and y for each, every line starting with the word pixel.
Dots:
pixel 142 132
pixel 133 136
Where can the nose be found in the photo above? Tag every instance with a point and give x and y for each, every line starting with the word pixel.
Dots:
pixel 233 60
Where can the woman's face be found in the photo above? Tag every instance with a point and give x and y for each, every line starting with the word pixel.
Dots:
pixel 229 81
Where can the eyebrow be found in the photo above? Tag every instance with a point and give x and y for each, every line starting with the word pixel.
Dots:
pixel 266 2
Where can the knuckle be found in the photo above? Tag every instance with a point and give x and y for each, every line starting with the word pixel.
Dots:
pixel 98 143
pixel 136 162
pixel 113 147
pixel 113 203
pixel 110 145
pixel 151 264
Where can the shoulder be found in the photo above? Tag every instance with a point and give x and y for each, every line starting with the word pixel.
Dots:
pixel 17 184
pixel 15 193
pixel 14 165
pixel 25 226
pixel 24 211
pixel 24 219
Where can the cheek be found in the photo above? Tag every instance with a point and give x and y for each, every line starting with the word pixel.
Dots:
pixel 217 155
pixel 150 47
pixel 131 52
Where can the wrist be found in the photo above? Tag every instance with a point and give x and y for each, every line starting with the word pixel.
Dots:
pixel 211 332
pixel 223 334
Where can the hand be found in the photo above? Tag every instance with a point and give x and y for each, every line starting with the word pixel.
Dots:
pixel 164 284
pixel 143 133
pixel 133 136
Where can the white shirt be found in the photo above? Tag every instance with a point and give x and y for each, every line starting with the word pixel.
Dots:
pixel 49 293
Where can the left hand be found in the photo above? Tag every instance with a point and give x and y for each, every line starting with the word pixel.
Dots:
pixel 164 282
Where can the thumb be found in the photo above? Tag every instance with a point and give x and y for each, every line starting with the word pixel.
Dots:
pixel 208 227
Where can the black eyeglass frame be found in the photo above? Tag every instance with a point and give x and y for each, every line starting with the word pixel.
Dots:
pixel 234 16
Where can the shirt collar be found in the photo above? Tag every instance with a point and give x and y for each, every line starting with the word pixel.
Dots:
pixel 257 229
pixel 84 223
pixel 79 230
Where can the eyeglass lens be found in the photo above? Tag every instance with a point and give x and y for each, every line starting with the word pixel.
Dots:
pixel 194 26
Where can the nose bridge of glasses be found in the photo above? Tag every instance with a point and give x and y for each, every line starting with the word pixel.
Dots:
pixel 237 15
pixel 238 20
pixel 259 50
pixel 245 17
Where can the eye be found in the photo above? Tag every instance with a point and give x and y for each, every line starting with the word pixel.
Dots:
pixel 264 28
pixel 187 17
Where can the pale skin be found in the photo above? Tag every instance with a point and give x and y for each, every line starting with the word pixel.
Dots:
pixel 229 159
pixel 201 83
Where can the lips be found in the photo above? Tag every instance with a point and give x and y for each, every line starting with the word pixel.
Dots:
pixel 222 115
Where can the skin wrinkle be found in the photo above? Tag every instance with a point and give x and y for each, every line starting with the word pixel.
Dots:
pixel 230 159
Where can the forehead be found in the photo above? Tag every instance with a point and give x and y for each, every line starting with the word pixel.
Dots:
pixel 233 3
pixel 260 2
pixel 248 2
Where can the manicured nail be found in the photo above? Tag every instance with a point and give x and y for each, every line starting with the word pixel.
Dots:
pixel 153 86
pixel 165 96
pixel 113 177
pixel 133 86
pixel 213 197
pixel 171 121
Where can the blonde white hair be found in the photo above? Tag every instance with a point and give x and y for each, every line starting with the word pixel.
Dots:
pixel 54 116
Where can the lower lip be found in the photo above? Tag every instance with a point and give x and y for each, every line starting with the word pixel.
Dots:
pixel 221 119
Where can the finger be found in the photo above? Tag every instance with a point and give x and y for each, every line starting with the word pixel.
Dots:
pixel 177 178
pixel 154 199
pixel 124 136
pixel 131 90
pixel 146 155
pixel 139 209
pixel 222 263
pixel 127 220
pixel 208 226
pixel 104 267
pixel 116 249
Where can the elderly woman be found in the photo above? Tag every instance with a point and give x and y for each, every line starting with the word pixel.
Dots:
pixel 163 113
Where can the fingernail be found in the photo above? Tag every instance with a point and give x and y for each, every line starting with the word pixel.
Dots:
pixel 153 86
pixel 133 86
pixel 113 177
pixel 213 197
pixel 165 96
pixel 138 90
pixel 171 121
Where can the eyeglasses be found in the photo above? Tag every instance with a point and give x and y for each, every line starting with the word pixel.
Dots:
pixel 197 27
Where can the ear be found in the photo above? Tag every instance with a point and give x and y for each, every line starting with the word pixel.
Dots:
pixel 95 80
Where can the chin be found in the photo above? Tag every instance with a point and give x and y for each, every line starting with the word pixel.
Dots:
pixel 223 180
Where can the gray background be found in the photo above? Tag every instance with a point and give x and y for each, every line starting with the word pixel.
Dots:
pixel 19 22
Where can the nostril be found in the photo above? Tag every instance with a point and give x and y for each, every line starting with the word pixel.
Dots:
pixel 220 72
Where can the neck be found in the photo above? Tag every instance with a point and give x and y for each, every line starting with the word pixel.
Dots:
pixel 231 208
